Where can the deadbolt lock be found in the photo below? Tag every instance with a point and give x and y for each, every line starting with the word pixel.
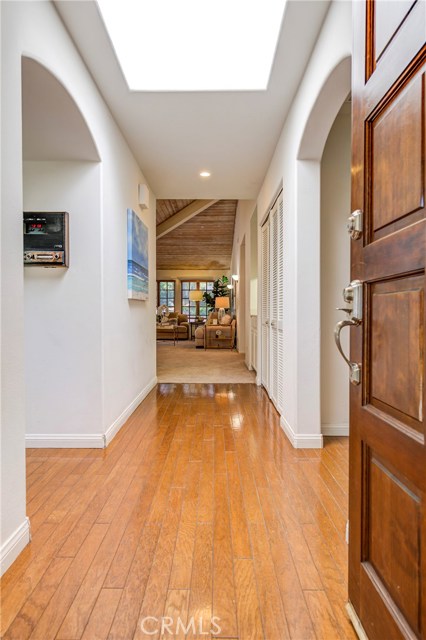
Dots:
pixel 354 224
pixel 352 295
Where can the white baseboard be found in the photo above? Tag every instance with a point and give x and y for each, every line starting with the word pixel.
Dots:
pixel 112 431
pixel 335 429
pixel 87 440
pixel 301 440
pixel 64 441
pixel 356 622
pixel 13 546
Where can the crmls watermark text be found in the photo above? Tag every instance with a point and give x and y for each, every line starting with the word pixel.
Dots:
pixel 150 625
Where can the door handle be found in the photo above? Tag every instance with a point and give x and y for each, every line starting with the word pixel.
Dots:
pixel 355 368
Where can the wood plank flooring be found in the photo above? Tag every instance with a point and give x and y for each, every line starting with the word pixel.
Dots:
pixel 199 516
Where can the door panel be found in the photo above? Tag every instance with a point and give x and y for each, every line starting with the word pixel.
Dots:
pixel 388 17
pixel 394 364
pixel 393 518
pixel 387 547
pixel 396 147
pixel 386 49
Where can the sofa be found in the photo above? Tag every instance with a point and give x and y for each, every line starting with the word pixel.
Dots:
pixel 227 333
pixel 175 322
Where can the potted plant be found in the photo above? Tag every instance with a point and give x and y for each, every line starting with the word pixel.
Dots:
pixel 220 289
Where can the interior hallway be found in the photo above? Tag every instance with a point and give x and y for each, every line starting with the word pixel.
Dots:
pixel 199 507
pixel 184 363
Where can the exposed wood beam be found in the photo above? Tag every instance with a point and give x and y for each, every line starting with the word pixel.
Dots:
pixel 182 216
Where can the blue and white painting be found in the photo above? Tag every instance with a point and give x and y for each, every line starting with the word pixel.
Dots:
pixel 137 257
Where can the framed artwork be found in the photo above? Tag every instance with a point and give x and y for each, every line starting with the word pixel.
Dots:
pixel 137 257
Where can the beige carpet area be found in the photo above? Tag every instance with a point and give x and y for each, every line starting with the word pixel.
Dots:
pixel 185 363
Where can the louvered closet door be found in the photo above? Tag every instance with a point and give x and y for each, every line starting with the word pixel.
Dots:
pixel 265 306
pixel 273 304
pixel 276 275
pixel 280 305
pixel 273 297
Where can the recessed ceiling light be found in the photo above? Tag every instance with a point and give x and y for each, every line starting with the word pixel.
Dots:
pixel 205 174
pixel 188 45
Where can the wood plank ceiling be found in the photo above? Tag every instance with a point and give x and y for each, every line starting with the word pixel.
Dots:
pixel 203 242
pixel 168 208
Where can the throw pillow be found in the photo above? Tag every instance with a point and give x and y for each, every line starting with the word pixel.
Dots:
pixel 226 320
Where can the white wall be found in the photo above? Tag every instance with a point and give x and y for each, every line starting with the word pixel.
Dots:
pixel 129 341
pixel 325 84
pixel 335 272
pixel 126 330
pixel 63 341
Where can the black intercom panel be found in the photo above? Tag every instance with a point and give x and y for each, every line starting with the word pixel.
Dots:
pixel 46 239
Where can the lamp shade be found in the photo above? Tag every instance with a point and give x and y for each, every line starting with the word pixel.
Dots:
pixel 196 295
pixel 222 303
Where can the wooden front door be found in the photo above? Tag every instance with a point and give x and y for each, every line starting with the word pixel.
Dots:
pixel 387 547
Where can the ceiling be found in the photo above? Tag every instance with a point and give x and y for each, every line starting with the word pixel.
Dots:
pixel 203 242
pixel 167 208
pixel 175 135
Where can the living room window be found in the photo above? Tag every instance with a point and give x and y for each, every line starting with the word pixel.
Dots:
pixel 191 308
pixel 166 293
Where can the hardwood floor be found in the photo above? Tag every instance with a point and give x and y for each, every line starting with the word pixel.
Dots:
pixel 199 512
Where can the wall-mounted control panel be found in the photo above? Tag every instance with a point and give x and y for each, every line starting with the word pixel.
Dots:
pixel 46 239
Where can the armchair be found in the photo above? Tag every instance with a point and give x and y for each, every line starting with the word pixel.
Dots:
pixel 216 336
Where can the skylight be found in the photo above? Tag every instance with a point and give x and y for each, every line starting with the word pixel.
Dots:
pixel 194 45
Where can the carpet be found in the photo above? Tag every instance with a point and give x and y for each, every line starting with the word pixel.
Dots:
pixel 185 363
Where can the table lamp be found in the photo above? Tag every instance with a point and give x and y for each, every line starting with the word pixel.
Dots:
pixel 221 304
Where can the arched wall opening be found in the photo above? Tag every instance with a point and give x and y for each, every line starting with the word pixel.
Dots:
pixel 308 256
pixel 335 271
pixel 63 319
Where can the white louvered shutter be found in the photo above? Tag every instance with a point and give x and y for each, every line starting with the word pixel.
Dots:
pixel 280 305
pixel 273 279
pixel 265 306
